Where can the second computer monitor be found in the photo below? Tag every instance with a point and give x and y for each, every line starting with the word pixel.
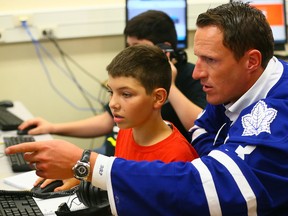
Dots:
pixel 275 13
pixel 177 10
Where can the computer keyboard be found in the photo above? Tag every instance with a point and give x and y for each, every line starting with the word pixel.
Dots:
pixel 17 162
pixel 8 121
pixel 18 203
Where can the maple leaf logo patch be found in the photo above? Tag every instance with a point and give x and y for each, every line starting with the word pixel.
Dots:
pixel 258 120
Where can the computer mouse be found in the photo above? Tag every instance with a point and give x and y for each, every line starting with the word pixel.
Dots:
pixel 49 188
pixel 6 103
pixel 25 130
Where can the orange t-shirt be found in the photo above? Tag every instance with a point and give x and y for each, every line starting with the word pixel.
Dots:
pixel 174 148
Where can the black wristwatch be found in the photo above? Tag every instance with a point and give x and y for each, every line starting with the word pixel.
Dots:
pixel 81 169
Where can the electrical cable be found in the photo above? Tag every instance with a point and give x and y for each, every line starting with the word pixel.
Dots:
pixel 54 40
pixel 64 71
pixel 74 77
pixel 65 55
pixel 38 47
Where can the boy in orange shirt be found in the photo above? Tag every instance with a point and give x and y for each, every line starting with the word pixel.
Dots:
pixel 139 82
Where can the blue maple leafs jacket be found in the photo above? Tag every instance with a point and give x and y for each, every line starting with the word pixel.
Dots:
pixel 243 164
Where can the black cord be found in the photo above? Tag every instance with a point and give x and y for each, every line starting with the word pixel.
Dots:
pixel 46 195
pixel 63 57
pixel 49 195
pixel 87 73
pixel 38 48
pixel 53 40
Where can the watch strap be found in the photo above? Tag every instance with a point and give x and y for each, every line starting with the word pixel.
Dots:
pixel 82 167
pixel 86 156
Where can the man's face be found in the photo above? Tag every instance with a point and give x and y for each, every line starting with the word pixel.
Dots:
pixel 131 41
pixel 223 78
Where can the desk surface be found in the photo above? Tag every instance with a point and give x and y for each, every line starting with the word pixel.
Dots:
pixel 20 110
pixel 48 207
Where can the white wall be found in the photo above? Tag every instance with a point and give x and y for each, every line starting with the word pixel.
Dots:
pixel 84 20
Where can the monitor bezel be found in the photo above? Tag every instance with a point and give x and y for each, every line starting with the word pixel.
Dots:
pixel 181 44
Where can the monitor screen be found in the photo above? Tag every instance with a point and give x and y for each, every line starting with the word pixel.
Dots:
pixel 177 10
pixel 275 13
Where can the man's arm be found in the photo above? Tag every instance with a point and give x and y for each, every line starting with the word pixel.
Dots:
pixel 220 183
pixel 54 158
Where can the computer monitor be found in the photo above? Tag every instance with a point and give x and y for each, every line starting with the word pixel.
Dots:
pixel 275 13
pixel 176 9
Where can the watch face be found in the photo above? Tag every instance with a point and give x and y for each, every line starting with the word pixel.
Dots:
pixel 82 167
pixel 82 171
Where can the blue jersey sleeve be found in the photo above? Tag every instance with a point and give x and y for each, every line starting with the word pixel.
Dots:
pixel 245 175
pixel 204 187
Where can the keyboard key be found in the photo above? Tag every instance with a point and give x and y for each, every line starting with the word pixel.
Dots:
pixel 8 121
pixel 17 162
pixel 18 204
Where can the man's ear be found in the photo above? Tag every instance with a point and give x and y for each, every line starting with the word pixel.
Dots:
pixel 254 59
pixel 160 97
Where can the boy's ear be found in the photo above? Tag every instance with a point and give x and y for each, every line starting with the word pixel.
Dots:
pixel 160 97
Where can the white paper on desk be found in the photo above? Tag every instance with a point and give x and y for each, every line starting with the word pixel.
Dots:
pixel 49 206
pixel 22 181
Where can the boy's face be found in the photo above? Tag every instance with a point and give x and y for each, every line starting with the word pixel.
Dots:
pixel 129 103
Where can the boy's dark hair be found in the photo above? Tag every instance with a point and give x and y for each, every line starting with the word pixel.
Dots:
pixel 148 64
pixel 155 26
pixel 243 26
